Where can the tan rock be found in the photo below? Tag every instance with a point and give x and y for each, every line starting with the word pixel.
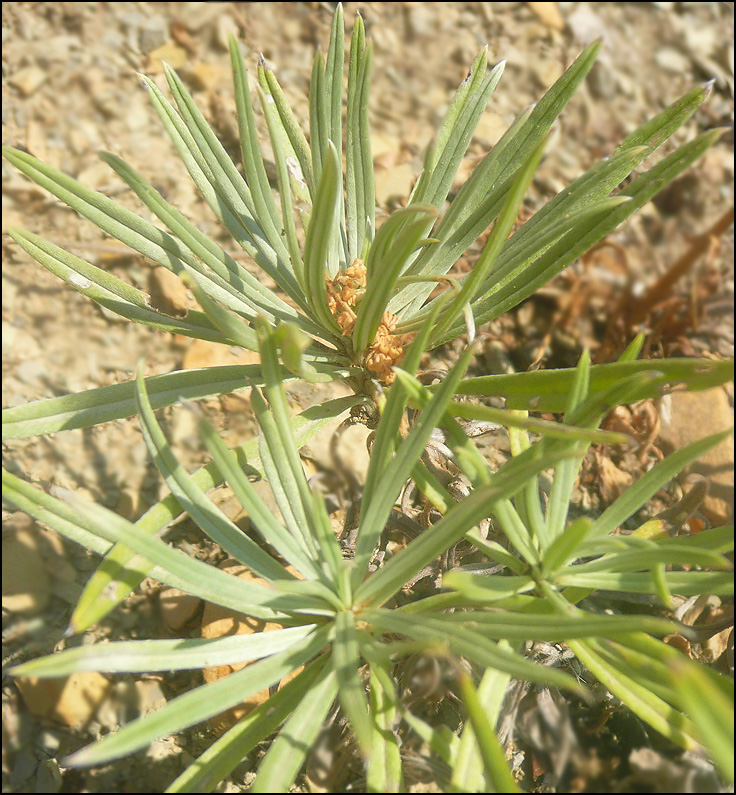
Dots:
pixel 202 353
pixel 689 416
pixel 72 701
pixel 26 586
pixel 549 14
pixel 394 183
pixel 208 76
pixel 168 53
pixel 28 80
pixel 177 607
pixel 169 294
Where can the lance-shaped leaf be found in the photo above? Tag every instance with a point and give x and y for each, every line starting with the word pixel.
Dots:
pixel 114 402
pixel 109 291
pixel 548 390
pixel 392 411
pixel 224 279
pixel 288 227
pixel 361 199
pixel 259 514
pixel 287 752
pixel 292 132
pixel 494 171
pixel 651 482
pixel 202 703
pixel 566 216
pixel 637 560
pixel 351 691
pixel 466 95
pixel 458 128
pixel 491 752
pixel 204 512
pixel 198 577
pixel 402 234
pixel 650 708
pixel 384 772
pixel 307 515
pixel 226 753
pixel 321 245
pixel 467 770
pixel 134 231
pixel 496 240
pixel 565 474
pixel 232 189
pixel 516 626
pixel 103 404
pixel 685 583
pixel 709 704
pixel 253 165
pixel 140 656
pixel 512 285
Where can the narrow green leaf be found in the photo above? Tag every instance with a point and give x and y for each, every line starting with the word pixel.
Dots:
pixel 656 712
pixel 636 560
pixel 351 691
pixel 224 279
pixel 547 390
pixel 287 752
pixel 486 590
pixel 259 514
pixel 199 704
pixel 288 228
pixel 140 656
pixel 494 759
pixel 450 529
pixel 293 132
pixel 226 753
pixel 384 772
pixel 685 583
pixel 567 471
pixel 651 482
pixel 511 418
pixel 253 165
pixel 496 240
pixel 500 623
pixel 392 411
pixel 320 248
pixel 205 513
pixel 397 238
pixel 197 577
pixel 109 292
pixel 468 643
pixel 467 771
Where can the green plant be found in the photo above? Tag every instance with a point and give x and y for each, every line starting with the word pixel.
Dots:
pixel 349 320
pixel 341 319
pixel 343 614
pixel 401 261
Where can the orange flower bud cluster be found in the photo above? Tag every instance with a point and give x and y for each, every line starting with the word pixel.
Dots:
pixel 343 292
pixel 386 351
